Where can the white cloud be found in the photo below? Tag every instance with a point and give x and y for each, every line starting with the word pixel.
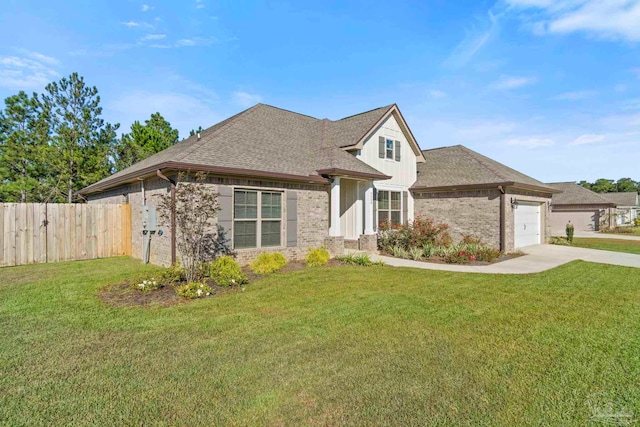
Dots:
pixel 146 8
pixel 511 82
pixel 610 19
pixel 575 96
pixel 153 37
pixel 131 24
pixel 588 139
pixel 530 142
pixel 32 71
pixel 245 99
pixel 473 42
pixel 437 94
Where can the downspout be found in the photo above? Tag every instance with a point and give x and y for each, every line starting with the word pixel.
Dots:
pixel 173 214
pixel 503 222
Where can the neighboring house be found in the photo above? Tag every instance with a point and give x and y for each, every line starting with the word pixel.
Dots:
pixel 627 206
pixel 586 210
pixel 288 181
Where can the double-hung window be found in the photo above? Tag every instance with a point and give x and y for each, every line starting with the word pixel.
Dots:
pixel 389 149
pixel 389 206
pixel 257 218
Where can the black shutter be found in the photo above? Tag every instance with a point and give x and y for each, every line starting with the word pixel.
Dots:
pixel 375 209
pixel 381 147
pixel 397 151
pixel 225 214
pixel 292 219
pixel 405 206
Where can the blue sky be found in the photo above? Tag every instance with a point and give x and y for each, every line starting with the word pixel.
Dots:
pixel 551 88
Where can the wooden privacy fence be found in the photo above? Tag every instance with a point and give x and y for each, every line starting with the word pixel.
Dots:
pixel 36 233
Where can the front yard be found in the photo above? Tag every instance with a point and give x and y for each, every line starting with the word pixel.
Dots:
pixel 613 244
pixel 326 346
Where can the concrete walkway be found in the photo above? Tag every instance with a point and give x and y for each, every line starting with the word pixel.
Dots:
pixel 596 235
pixel 538 258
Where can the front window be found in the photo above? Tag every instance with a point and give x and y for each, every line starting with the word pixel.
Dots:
pixel 253 227
pixel 389 207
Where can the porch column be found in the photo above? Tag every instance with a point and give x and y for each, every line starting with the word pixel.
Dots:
pixel 335 229
pixel 368 209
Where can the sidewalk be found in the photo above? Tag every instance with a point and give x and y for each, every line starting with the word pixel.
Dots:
pixel 538 258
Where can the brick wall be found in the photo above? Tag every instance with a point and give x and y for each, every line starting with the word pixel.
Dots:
pixel 312 218
pixel 474 212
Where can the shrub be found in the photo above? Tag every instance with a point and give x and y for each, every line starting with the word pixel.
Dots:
pixel 399 251
pixel 193 290
pixel 362 260
pixel 415 253
pixel 636 222
pixel 171 275
pixel 569 230
pixel 620 230
pixel 317 257
pixel 268 262
pixel 557 240
pixel 416 233
pixel 225 271
pixel 146 285
pixel 471 238
pixel 459 257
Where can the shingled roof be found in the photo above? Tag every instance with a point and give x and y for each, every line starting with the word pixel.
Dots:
pixel 574 194
pixel 628 198
pixel 457 167
pixel 265 141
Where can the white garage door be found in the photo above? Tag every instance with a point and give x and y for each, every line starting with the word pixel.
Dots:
pixel 527 224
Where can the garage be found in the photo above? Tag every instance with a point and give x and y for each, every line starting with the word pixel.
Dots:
pixel 526 224
pixel 585 220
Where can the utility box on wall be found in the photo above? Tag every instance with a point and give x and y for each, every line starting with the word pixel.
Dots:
pixel 149 218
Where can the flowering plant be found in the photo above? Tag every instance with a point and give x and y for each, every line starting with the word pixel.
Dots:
pixel 146 285
pixel 194 290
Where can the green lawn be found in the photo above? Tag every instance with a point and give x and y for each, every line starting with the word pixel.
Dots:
pixel 352 345
pixel 613 244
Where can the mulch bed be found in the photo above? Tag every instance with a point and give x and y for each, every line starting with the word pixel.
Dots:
pixel 439 260
pixel 123 295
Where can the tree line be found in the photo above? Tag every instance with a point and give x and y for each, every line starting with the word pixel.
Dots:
pixel 55 143
pixel 603 185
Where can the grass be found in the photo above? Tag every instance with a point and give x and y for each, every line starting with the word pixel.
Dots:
pixel 635 232
pixel 616 245
pixel 349 345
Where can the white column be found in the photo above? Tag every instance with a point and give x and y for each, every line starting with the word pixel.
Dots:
pixel 368 209
pixel 335 229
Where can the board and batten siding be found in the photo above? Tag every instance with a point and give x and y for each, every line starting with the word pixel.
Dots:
pixel 404 172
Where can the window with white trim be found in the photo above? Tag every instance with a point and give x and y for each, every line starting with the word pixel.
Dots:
pixel 389 206
pixel 257 219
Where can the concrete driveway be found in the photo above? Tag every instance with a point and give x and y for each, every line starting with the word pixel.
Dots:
pixel 538 258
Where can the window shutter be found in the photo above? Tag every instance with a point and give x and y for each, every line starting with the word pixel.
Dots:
pixel 225 214
pixel 292 219
pixel 405 206
pixel 375 209
pixel 381 147
pixel 397 151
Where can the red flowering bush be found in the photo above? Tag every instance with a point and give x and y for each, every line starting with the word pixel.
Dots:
pixel 416 233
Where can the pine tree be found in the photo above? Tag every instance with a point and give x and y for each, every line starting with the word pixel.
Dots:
pixel 81 141
pixel 144 140
pixel 23 149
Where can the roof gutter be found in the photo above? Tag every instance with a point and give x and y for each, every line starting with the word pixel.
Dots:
pixel 353 174
pixel 504 185
pixel 218 170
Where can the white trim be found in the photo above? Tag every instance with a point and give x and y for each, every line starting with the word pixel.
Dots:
pixel 335 229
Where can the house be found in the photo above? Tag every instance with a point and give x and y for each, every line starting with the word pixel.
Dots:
pixel 287 182
pixel 586 210
pixel 627 206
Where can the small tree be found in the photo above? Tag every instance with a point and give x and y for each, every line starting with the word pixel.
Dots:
pixel 569 230
pixel 196 206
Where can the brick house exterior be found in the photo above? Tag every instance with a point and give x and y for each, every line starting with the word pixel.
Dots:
pixel 332 182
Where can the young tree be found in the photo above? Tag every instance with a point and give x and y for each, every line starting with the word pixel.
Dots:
pixel 144 140
pixel 81 140
pixel 23 149
pixel 195 207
